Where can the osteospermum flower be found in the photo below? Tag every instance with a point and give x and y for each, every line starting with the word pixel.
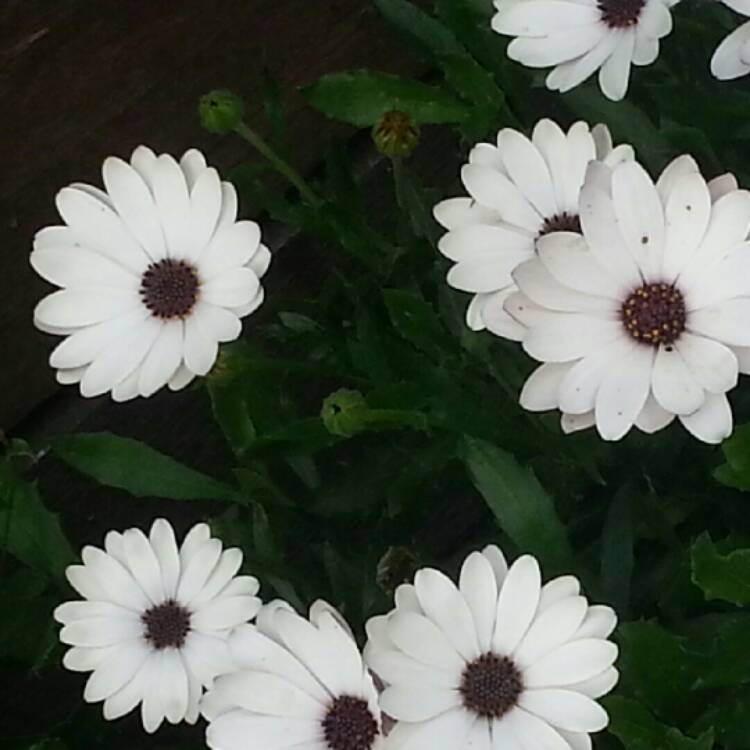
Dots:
pixel 156 272
pixel 732 56
pixel 299 683
pixel 154 624
pixel 500 661
pixel 520 190
pixel 647 315
pixel 579 37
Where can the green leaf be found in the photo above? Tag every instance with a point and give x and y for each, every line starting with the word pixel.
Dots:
pixel 137 468
pixel 27 631
pixel 416 320
pixel 724 577
pixel 231 412
pixel 461 70
pixel 638 729
pixel 362 97
pixel 522 507
pixel 660 670
pixel 736 472
pixel 29 531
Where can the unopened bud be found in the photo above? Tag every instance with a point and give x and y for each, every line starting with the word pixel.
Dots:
pixel 396 134
pixel 221 111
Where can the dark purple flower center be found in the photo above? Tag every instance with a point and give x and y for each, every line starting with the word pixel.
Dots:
pixel 167 625
pixel 562 222
pixel 491 685
pixel 654 314
pixel 349 724
pixel 621 14
pixel 169 288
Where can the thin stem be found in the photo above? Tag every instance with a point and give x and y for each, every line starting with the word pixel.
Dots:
pixel 281 166
pixel 398 179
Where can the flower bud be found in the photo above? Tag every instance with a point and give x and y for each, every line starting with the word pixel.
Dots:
pixel 396 134
pixel 221 111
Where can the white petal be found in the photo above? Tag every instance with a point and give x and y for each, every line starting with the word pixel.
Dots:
pixel 201 349
pixel 443 604
pixel 135 205
pixel 173 203
pixel 165 547
pixel 571 663
pixel 614 74
pixel 240 730
pixel 420 638
pixel 726 321
pixel 713 422
pixel 713 365
pixel 98 227
pixel 396 668
pixel 79 267
pixel 445 732
pixel 115 362
pixel 653 417
pixel 563 337
pixel 517 604
pixel 225 613
pixel 231 288
pixel 231 246
pixel 598 686
pixel 479 588
pixel 163 359
pixel 128 697
pixel 418 702
pixel 268 694
pixel 205 207
pixel 118 584
pixel 71 308
pixel 623 392
pixel 540 391
pixel 558 589
pixel 599 623
pixel 565 709
pixel 193 164
pixel 143 564
pixel 227 567
pixel 197 569
pixel 673 383
pixel 101 631
pixel 641 216
pixel 551 629
pixel 251 650
pixel 534 732
pixel 174 687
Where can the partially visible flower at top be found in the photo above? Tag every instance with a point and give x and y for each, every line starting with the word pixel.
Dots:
pixel 499 661
pixel 579 37
pixel 396 134
pixel 647 315
pixel 732 56
pixel 154 624
pixel 156 272
pixel 300 683
pixel 520 190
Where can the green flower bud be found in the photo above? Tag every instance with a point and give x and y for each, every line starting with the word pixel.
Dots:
pixel 221 111
pixel 396 134
pixel 344 412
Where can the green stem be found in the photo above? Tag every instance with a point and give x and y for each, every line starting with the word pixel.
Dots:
pixel 281 166
pixel 398 180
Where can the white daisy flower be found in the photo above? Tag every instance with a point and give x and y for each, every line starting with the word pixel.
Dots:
pixel 646 316
pixel 153 629
pixel 155 273
pixel 520 190
pixel 500 661
pixel 579 37
pixel 732 57
pixel 300 683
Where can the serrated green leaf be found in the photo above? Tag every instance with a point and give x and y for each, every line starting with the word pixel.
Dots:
pixel 659 670
pixel 362 97
pixel 724 577
pixel 522 507
pixel 137 468
pixel 638 729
